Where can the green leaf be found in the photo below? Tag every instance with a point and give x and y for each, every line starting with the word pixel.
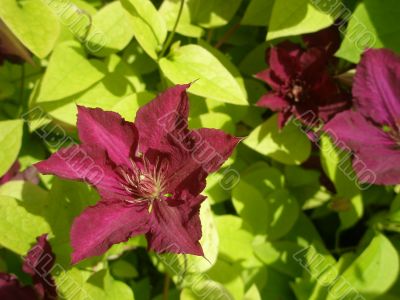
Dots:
pixel 306 187
pixel 229 276
pixel 374 24
pixel 289 146
pixel 33 23
pixel 380 257
pixel 67 199
pixel 294 17
pixel 213 13
pixel 277 286
pixel 71 283
pixel 114 27
pixel 149 27
pixel 68 73
pixel 7 89
pixel 105 94
pixel 169 10
pixel 281 214
pixel 213 120
pixel 254 61
pixel 21 222
pixel 102 286
pixel 138 60
pixel 124 269
pixel 10 143
pixel 239 247
pixel 337 165
pixel 258 13
pixel 279 256
pixel 192 63
pixel 261 201
pixel 23 190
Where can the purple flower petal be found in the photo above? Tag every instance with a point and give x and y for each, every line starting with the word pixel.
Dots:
pixel 167 114
pixel 190 164
pixel 376 87
pixel 11 289
pixel 84 163
pixel 272 101
pixel 105 224
pixel 174 230
pixel 107 130
pixel 38 264
pixel 350 130
pixel 11 173
pixel 270 78
pixel 283 60
pixel 327 39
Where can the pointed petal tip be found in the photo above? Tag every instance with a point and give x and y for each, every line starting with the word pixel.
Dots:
pixel 75 259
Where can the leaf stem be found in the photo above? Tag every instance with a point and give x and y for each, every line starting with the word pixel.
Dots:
pixel 227 35
pixel 167 281
pixel 24 104
pixel 172 34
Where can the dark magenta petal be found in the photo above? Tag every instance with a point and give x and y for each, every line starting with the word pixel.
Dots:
pixel 11 173
pixel 283 60
pixel 105 224
pixel 327 39
pixel 165 115
pixel 38 264
pixel 312 63
pixel 376 86
pixel 84 163
pixel 273 102
pixel 11 289
pixel 270 78
pixel 191 163
pixel 174 230
pixel 369 144
pixel 109 131
pixel 371 168
pixel 356 132
pixel 214 148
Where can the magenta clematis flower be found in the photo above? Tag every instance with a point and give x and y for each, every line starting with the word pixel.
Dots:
pixel 149 174
pixel 300 80
pixel 37 264
pixel 372 129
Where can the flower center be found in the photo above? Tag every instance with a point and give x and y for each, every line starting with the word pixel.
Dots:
pixel 145 183
pixel 297 90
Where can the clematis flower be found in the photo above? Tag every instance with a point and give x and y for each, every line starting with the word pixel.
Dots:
pixel 37 264
pixel 152 174
pixel 300 80
pixel 372 129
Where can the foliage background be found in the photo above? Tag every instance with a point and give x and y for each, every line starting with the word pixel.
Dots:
pixel 277 233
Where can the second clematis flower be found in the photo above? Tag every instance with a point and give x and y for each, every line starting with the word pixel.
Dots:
pixel 38 264
pixel 149 174
pixel 301 83
pixel 372 130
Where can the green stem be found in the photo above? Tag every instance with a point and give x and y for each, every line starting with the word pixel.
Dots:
pixel 227 36
pixel 167 281
pixel 172 34
pixel 337 241
pixel 24 104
